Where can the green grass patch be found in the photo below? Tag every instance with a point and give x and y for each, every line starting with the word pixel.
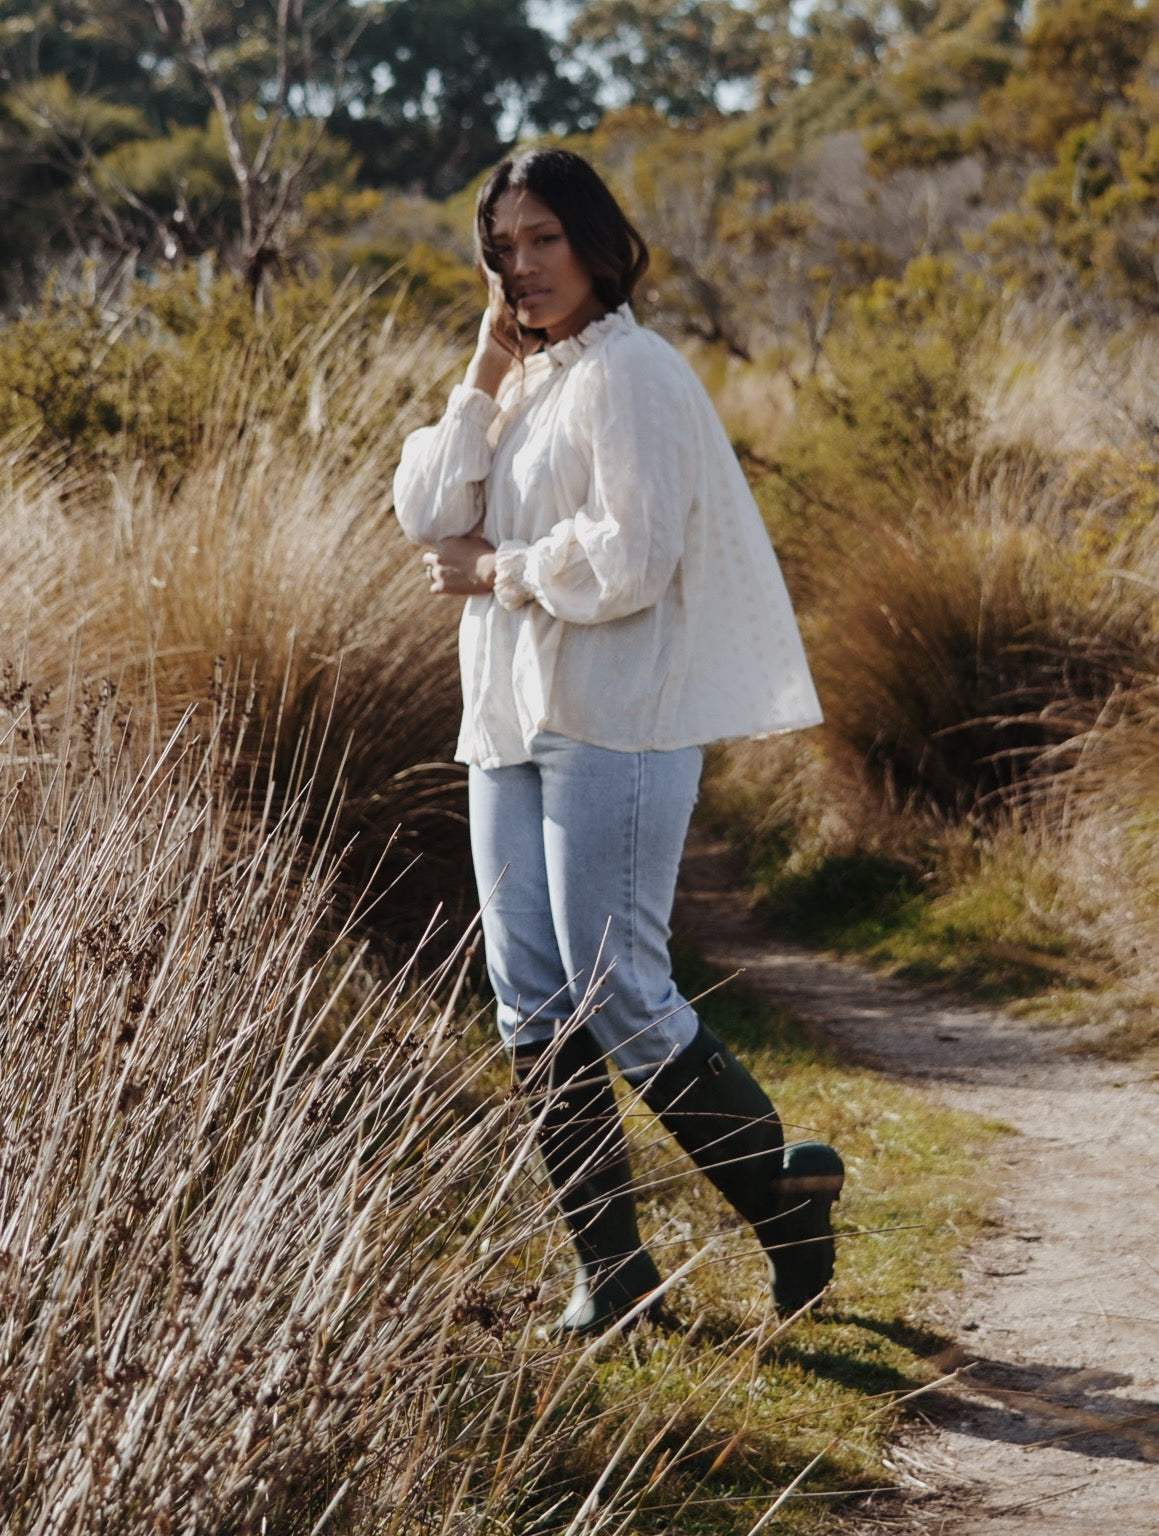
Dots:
pixel 979 936
pixel 722 1407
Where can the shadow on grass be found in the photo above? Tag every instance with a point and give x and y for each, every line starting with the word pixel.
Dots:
pixel 873 905
pixel 741 1017
pixel 846 1350
pixel 847 900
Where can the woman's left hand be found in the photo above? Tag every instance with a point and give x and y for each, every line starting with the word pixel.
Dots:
pixel 462 567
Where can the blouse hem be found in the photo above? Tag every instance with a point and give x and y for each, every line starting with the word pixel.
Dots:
pixel 497 760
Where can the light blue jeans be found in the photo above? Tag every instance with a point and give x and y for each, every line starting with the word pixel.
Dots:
pixel 576 855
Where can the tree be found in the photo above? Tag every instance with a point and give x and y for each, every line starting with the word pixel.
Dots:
pixel 290 64
pixel 681 59
pixel 445 87
pixel 246 87
pixel 695 57
pixel 97 53
pixel 238 108
pixel 1082 116
pixel 1081 56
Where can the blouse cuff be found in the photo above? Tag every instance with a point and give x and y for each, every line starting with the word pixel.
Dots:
pixel 510 561
pixel 472 405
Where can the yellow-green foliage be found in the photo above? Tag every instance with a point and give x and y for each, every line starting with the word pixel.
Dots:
pixel 1081 55
pixel 64 376
pixel 967 48
pixel 889 423
pixel 150 371
pixel 1100 200
pixel 188 169
pixel 917 141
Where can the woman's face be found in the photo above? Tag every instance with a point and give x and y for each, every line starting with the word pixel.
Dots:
pixel 545 282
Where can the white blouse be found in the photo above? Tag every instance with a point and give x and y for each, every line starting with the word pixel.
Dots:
pixel 638 603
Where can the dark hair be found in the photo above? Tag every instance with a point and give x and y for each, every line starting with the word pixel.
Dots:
pixel 610 248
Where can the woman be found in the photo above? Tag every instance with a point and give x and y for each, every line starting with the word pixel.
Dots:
pixel 624 608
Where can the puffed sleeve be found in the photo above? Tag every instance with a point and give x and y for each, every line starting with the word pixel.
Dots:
pixel 438 486
pixel 619 552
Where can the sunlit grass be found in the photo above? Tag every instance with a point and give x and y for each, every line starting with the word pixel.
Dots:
pixel 730 1404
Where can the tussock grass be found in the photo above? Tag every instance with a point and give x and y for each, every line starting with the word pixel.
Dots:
pixel 230 1181
pixel 272 560
pixel 954 652
pixel 273 1252
pixel 978 808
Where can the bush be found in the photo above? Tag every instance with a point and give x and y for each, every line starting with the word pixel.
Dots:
pixel 890 423
pixel 271 561
pixel 953 653
pixel 158 369
pixel 959 614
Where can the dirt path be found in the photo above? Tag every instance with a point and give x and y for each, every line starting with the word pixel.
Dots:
pixel 1052 1427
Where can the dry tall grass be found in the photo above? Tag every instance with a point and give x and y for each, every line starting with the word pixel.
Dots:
pixel 265 1238
pixel 222 1236
pixel 952 652
pixel 987 648
pixel 273 558
pixel 270 1258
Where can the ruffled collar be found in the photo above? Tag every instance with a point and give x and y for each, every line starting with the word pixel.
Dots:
pixel 572 347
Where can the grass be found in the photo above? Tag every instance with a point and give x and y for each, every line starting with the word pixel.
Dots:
pixel 209 1228
pixel 827 1387
pixel 1051 914
pixel 979 937
pixel 276 1252
pixel 272 562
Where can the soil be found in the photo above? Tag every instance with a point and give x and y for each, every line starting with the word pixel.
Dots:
pixel 1050 1425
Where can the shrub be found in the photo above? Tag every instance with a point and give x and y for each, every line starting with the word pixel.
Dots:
pixel 157 369
pixel 890 423
pixel 953 653
pixel 273 562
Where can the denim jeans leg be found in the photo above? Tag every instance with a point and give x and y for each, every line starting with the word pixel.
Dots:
pixel 614 825
pixel 523 960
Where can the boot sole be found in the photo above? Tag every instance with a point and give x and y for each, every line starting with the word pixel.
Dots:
pixel 829 1184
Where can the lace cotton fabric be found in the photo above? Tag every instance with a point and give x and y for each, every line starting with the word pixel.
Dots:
pixel 638 603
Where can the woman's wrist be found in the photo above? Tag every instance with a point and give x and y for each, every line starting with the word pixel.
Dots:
pixel 487 369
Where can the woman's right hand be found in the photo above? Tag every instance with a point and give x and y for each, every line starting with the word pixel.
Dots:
pixel 495 349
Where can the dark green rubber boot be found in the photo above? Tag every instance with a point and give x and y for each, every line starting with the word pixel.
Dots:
pixel 723 1119
pixel 582 1143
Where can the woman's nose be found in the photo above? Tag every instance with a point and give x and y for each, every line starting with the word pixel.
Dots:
pixel 522 257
